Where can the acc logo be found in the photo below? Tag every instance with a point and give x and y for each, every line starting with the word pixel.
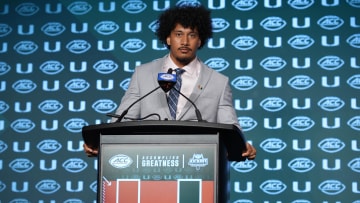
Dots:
pixel 104 106
pixel 331 103
pixel 301 201
pixel 134 6
pixel 330 22
pixel 73 201
pixel 4 30
pixel 79 7
pixel 78 46
pixel 25 47
pixel 354 40
pixel 21 165
pixel 153 25
pixel 301 123
pixel 2 188
pixel 219 24
pixel 75 125
pixel 300 4
pixel 354 81
pixel 93 186
pixel 22 125
pixel 50 106
pixel 19 200
pixel 301 165
pixel 125 84
pixel 244 5
pixel 273 63
pixel 47 186
pixel 167 77
pixel 355 165
pixel 244 83
pixel 218 64
pixel 106 27
pixel 354 3
pixel 273 187
pixel 273 145
pixel 273 23
pixel 120 161
pixel 243 201
pixel 331 145
pixel 273 104
pixel 331 187
pixel 198 161
pixel 24 86
pixel 300 41
pixel 133 45
pixel 188 3
pixel 51 67
pixel 77 85
pixel 3 147
pixel 4 67
pixel 53 28
pixel 27 9
pixel 244 42
pixel 330 62
pixel 301 82
pixel 244 166
pixel 247 123
pixel 3 107
pixel 105 66
pixel 49 146
pixel 354 122
pixel 74 165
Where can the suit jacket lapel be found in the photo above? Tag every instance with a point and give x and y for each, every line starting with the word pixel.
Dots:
pixel 198 88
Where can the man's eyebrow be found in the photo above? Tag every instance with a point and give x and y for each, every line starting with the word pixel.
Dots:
pixel 192 31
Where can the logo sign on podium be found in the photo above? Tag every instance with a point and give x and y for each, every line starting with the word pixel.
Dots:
pixel 162 173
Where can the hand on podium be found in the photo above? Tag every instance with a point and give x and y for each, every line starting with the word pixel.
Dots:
pixel 250 152
pixel 90 152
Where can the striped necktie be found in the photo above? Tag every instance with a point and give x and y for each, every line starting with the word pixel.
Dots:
pixel 174 95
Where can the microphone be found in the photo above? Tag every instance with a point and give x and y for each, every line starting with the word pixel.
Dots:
pixel 166 82
pixel 197 112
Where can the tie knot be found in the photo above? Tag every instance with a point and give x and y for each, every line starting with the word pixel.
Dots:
pixel 179 71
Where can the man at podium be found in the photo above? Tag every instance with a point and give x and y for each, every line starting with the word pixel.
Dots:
pixel 183 30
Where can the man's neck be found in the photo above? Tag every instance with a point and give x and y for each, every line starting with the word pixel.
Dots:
pixel 181 63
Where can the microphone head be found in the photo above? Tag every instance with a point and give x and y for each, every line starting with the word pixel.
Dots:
pixel 166 81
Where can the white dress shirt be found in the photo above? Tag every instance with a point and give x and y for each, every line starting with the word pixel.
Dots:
pixel 189 79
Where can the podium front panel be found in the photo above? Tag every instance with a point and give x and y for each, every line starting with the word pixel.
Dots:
pixel 165 172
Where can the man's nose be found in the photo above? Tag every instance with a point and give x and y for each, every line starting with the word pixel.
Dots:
pixel 185 40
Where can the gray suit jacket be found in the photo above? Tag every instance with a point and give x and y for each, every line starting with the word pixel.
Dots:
pixel 212 95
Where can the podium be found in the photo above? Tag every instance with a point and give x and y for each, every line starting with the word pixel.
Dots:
pixel 164 161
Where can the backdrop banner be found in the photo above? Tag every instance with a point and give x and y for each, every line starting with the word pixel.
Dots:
pixel 294 68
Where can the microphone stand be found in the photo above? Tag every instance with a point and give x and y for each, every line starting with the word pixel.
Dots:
pixel 197 111
pixel 127 109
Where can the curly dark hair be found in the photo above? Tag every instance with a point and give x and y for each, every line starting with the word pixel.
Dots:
pixel 189 17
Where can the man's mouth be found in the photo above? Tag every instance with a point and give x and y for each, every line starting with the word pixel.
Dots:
pixel 184 49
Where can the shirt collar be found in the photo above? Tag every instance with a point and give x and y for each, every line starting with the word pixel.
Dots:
pixel 191 68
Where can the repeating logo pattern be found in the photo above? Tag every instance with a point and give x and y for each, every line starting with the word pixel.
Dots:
pixel 293 67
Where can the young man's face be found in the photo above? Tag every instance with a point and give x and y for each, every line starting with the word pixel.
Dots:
pixel 184 43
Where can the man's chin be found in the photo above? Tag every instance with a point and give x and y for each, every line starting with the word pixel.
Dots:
pixel 185 60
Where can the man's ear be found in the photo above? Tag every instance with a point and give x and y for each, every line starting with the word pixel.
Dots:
pixel 168 41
